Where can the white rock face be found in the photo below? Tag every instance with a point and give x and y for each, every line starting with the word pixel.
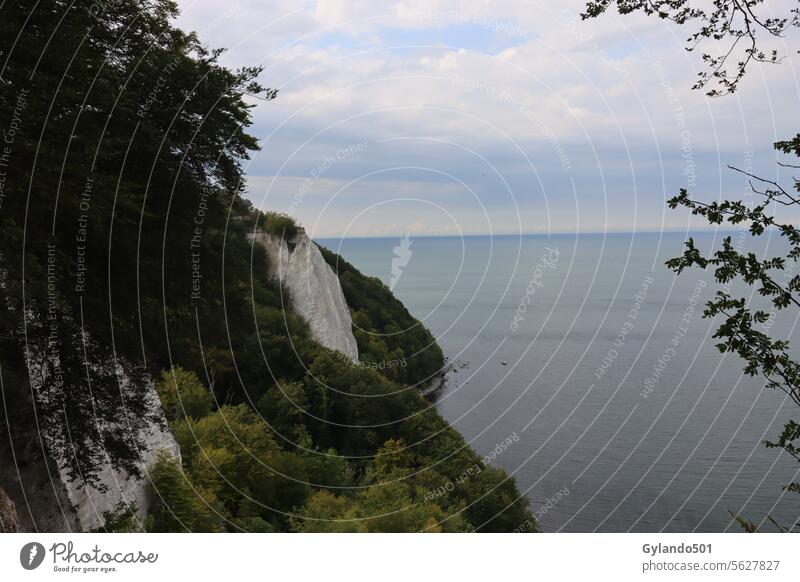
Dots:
pixel 314 288
pixel 90 503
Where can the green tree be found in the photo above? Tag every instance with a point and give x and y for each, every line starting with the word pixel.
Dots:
pixel 328 513
pixel 122 519
pixel 183 394
pixel 126 129
pixel 232 454
pixel 175 506
pixel 277 224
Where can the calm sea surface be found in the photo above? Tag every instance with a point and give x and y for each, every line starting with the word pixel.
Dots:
pixel 611 379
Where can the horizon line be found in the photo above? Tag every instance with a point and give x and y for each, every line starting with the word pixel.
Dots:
pixel 527 234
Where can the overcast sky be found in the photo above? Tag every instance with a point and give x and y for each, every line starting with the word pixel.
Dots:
pixel 486 116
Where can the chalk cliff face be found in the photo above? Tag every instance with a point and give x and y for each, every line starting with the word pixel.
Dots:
pixel 75 506
pixel 91 503
pixel 314 288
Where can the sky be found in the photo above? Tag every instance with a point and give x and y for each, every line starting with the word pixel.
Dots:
pixel 461 117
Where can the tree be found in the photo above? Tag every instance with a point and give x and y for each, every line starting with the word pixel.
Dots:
pixel 175 506
pixel 182 394
pixel 326 512
pixel 122 519
pixel 278 224
pixel 119 130
pixel 232 455
pixel 743 331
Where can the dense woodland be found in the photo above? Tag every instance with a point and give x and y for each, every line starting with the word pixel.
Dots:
pixel 125 249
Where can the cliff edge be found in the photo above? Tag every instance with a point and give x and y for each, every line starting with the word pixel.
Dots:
pixel 314 288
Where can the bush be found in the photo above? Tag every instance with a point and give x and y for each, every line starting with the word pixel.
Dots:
pixel 278 224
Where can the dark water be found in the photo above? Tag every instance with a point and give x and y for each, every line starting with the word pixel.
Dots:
pixel 612 382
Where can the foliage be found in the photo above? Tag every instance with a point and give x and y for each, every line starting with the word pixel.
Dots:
pixel 394 502
pixel 183 395
pixel 389 339
pixel 122 519
pixel 126 131
pixel 233 455
pixel 346 467
pixel 175 506
pixel 278 224
pixel 743 329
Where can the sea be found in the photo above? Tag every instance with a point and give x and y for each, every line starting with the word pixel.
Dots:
pixel 584 367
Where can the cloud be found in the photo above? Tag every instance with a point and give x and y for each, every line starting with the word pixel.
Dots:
pixel 506 114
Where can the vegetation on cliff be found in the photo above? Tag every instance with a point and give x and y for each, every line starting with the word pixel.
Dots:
pixel 389 338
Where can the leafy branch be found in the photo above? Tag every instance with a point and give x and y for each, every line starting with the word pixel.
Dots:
pixel 738 22
pixel 741 329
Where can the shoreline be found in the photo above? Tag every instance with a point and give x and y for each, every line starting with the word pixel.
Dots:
pixel 437 382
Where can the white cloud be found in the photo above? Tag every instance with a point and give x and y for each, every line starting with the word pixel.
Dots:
pixel 557 92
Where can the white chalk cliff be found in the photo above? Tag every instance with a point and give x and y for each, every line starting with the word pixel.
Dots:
pixel 91 503
pixel 316 294
pixel 85 504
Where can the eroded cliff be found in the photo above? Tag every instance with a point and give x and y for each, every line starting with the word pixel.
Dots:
pixel 314 289
pixel 49 499
pixel 118 488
